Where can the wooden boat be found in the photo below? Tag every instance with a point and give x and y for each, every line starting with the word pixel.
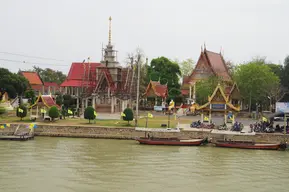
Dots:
pixel 248 145
pixel 171 141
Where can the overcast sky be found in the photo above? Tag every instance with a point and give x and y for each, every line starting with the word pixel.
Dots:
pixel 72 30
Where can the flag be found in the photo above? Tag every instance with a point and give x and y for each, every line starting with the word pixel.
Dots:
pixel 122 114
pixel 206 118
pixel 7 125
pixel 20 110
pixel 172 104
pixel 31 126
pixel 69 112
pixel 43 111
pixel 2 127
pixel 150 115
pixel 264 119
pixel 95 114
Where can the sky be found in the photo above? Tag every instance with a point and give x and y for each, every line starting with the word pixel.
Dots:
pixel 72 30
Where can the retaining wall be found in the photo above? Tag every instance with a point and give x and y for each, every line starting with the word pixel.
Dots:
pixel 130 133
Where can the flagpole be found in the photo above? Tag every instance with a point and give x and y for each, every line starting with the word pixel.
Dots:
pixel 169 119
pixel 137 93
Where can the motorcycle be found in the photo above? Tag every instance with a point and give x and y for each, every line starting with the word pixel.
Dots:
pixel 237 127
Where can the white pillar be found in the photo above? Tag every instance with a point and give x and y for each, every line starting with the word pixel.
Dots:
pixel 77 103
pixel 86 103
pixel 77 91
pixel 194 93
pixel 93 102
pixel 82 106
pixel 112 104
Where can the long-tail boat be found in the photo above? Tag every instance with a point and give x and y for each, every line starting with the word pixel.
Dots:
pixel 174 141
pixel 249 145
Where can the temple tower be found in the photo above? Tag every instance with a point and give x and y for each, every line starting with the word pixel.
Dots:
pixel 110 58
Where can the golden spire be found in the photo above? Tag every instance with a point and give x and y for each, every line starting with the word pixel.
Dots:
pixel 109 34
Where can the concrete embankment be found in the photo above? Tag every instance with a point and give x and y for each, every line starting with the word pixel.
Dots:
pixel 130 133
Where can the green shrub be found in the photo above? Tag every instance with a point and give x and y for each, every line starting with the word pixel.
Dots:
pixel 89 113
pixel 21 111
pixel 2 110
pixel 53 112
pixel 128 115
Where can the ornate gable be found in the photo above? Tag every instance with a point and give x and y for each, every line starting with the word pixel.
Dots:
pixel 202 70
pixel 218 95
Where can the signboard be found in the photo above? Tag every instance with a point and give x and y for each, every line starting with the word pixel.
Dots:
pixel 282 107
pixel 218 106
pixel 158 108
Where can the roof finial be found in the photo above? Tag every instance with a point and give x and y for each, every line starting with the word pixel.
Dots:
pixel 109 33
pixel 159 79
pixel 205 46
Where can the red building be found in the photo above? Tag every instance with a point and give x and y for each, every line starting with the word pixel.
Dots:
pixel 36 83
pixel 107 86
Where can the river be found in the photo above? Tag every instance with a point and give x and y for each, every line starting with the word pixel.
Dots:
pixel 50 164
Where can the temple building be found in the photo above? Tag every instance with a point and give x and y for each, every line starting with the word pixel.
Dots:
pixel 107 86
pixel 156 90
pixel 209 64
pixel 38 85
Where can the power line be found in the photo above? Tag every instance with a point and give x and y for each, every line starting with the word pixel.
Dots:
pixel 27 62
pixel 31 56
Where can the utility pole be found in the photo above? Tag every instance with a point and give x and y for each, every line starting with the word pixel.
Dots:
pixel 137 90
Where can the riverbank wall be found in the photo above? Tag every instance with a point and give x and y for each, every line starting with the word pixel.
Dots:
pixel 86 131
pixel 130 133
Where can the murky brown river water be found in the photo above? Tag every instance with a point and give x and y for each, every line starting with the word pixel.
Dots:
pixel 83 165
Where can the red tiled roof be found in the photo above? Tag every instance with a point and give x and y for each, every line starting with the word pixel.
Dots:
pixel 48 100
pixel 76 73
pixel 32 77
pixel 185 92
pixel 71 83
pixel 51 84
pixel 159 89
pixel 36 87
pixel 218 65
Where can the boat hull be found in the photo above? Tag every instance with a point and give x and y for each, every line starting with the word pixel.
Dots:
pixel 249 146
pixel 193 142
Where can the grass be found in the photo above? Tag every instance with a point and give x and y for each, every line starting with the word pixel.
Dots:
pixel 152 123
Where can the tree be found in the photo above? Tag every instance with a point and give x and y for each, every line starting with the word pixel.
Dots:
pixel 256 82
pixel 59 99
pixel 50 75
pixel 231 67
pixel 166 71
pixel 186 66
pixel 53 112
pixel 30 94
pixel 134 60
pixel 206 87
pixel 89 113
pixel 285 74
pixel 128 115
pixel 12 83
pixel 21 111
